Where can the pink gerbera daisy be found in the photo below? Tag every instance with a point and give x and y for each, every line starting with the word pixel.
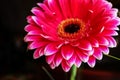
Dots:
pixel 69 32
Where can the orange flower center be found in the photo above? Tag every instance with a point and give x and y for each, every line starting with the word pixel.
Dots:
pixel 71 29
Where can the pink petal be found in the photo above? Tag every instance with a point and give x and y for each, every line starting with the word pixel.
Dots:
pixel 82 56
pixel 36 44
pixel 41 51
pixel 112 24
pixel 31 28
pixel 65 8
pixel 113 27
pixel 78 62
pixel 104 49
pixel 77 10
pixel 85 45
pixel 65 66
pixel 109 33
pixel 50 58
pixel 58 59
pixel 31 38
pixel 115 21
pixel 91 62
pixel 112 42
pixel 38 12
pixel 102 41
pixel 55 6
pixel 36 53
pixel 98 54
pixel 113 12
pixel 35 32
pixel 67 52
pixel 47 11
pixel 36 20
pixel 50 49
pixel 51 38
pixel 72 60
pixel 52 65
pixel 30 20
pixel 106 4
pixel 103 4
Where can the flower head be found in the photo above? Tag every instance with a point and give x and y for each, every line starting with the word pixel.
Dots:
pixel 69 32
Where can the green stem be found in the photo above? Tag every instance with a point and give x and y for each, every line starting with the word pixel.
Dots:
pixel 113 57
pixel 73 73
pixel 48 73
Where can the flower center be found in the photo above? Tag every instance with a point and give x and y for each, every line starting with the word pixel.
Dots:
pixel 71 29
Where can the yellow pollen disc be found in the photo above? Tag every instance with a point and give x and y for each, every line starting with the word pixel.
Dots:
pixel 71 29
